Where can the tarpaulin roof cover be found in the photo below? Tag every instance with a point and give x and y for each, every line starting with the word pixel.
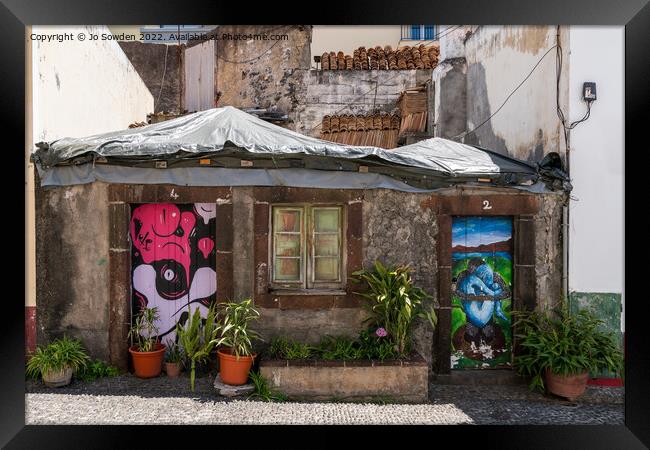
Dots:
pixel 226 131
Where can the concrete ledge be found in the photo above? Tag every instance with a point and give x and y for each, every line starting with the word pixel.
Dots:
pixel 401 381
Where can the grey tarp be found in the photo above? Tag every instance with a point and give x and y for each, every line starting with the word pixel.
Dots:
pixel 230 133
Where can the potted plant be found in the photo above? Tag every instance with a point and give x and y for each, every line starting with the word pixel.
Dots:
pixel 557 350
pixel 235 341
pixel 57 361
pixel 394 303
pixel 147 352
pixel 197 338
pixel 173 360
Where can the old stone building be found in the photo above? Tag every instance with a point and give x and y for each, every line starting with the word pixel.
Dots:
pixel 261 186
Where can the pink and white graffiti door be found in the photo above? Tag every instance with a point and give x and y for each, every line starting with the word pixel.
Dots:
pixel 173 261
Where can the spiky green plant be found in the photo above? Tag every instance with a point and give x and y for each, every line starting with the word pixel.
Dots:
pixel 235 318
pixel 197 338
pixel 262 390
pixel 283 348
pixel 174 353
pixel 56 356
pixel 563 342
pixel 394 302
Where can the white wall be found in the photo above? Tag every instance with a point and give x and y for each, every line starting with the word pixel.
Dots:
pixel 597 152
pixel 82 88
pixel 74 89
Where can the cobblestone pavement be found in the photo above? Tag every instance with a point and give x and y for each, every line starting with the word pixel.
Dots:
pixel 129 400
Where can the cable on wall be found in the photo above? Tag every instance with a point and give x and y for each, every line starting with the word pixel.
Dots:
pixel 465 133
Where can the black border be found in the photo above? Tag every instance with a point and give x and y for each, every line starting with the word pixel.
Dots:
pixel 635 15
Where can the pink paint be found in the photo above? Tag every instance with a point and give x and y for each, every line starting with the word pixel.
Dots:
pixel 157 239
pixel 205 246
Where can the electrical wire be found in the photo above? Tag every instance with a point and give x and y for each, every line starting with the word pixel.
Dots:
pixel 465 133
pixel 162 81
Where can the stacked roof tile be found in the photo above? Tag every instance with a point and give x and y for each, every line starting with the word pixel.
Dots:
pixel 378 58
pixel 378 130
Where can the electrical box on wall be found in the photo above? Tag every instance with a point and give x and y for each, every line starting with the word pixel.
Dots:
pixel 589 91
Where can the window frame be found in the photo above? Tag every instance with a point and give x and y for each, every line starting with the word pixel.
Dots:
pixel 308 282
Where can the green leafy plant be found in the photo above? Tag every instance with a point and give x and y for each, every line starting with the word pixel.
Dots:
pixel 197 338
pixel 57 356
pixel 174 353
pixel 565 343
pixel 143 332
pixel 262 390
pixel 96 369
pixel 233 328
pixel 375 346
pixel 394 302
pixel 339 347
pixel 283 348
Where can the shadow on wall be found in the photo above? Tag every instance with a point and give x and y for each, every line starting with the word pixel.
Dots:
pixel 479 109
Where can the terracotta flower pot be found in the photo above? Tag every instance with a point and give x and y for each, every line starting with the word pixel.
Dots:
pixel 54 378
pixel 569 386
pixel 173 369
pixel 233 370
pixel 148 364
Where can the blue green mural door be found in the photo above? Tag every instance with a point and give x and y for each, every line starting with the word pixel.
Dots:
pixel 481 332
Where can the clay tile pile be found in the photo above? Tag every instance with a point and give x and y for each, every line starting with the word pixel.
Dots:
pixel 378 130
pixel 413 108
pixel 423 56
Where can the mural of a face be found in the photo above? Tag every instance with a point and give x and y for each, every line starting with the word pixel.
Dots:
pixel 173 264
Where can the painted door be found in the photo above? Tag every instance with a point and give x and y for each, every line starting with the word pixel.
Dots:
pixel 481 332
pixel 173 264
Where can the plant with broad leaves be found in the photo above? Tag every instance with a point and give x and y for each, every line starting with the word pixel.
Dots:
pixel 563 342
pixel 394 302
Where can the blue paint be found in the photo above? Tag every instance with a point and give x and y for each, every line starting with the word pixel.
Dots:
pixel 475 231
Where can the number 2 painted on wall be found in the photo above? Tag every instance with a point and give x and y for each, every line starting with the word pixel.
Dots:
pixel 486 204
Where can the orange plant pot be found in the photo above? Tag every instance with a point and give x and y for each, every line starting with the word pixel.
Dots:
pixel 570 386
pixel 148 364
pixel 233 370
pixel 173 369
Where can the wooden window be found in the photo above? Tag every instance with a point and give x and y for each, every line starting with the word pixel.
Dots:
pixel 307 247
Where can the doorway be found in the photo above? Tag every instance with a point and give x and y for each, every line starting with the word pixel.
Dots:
pixel 481 292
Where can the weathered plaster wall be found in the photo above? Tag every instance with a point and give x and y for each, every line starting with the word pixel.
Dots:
pixel 498 59
pixel 255 73
pixel 161 68
pixel 321 92
pixel 72 272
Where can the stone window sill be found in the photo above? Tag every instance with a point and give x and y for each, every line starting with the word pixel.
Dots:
pixel 283 292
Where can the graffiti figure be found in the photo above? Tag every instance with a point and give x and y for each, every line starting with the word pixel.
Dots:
pixel 172 268
pixel 481 291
